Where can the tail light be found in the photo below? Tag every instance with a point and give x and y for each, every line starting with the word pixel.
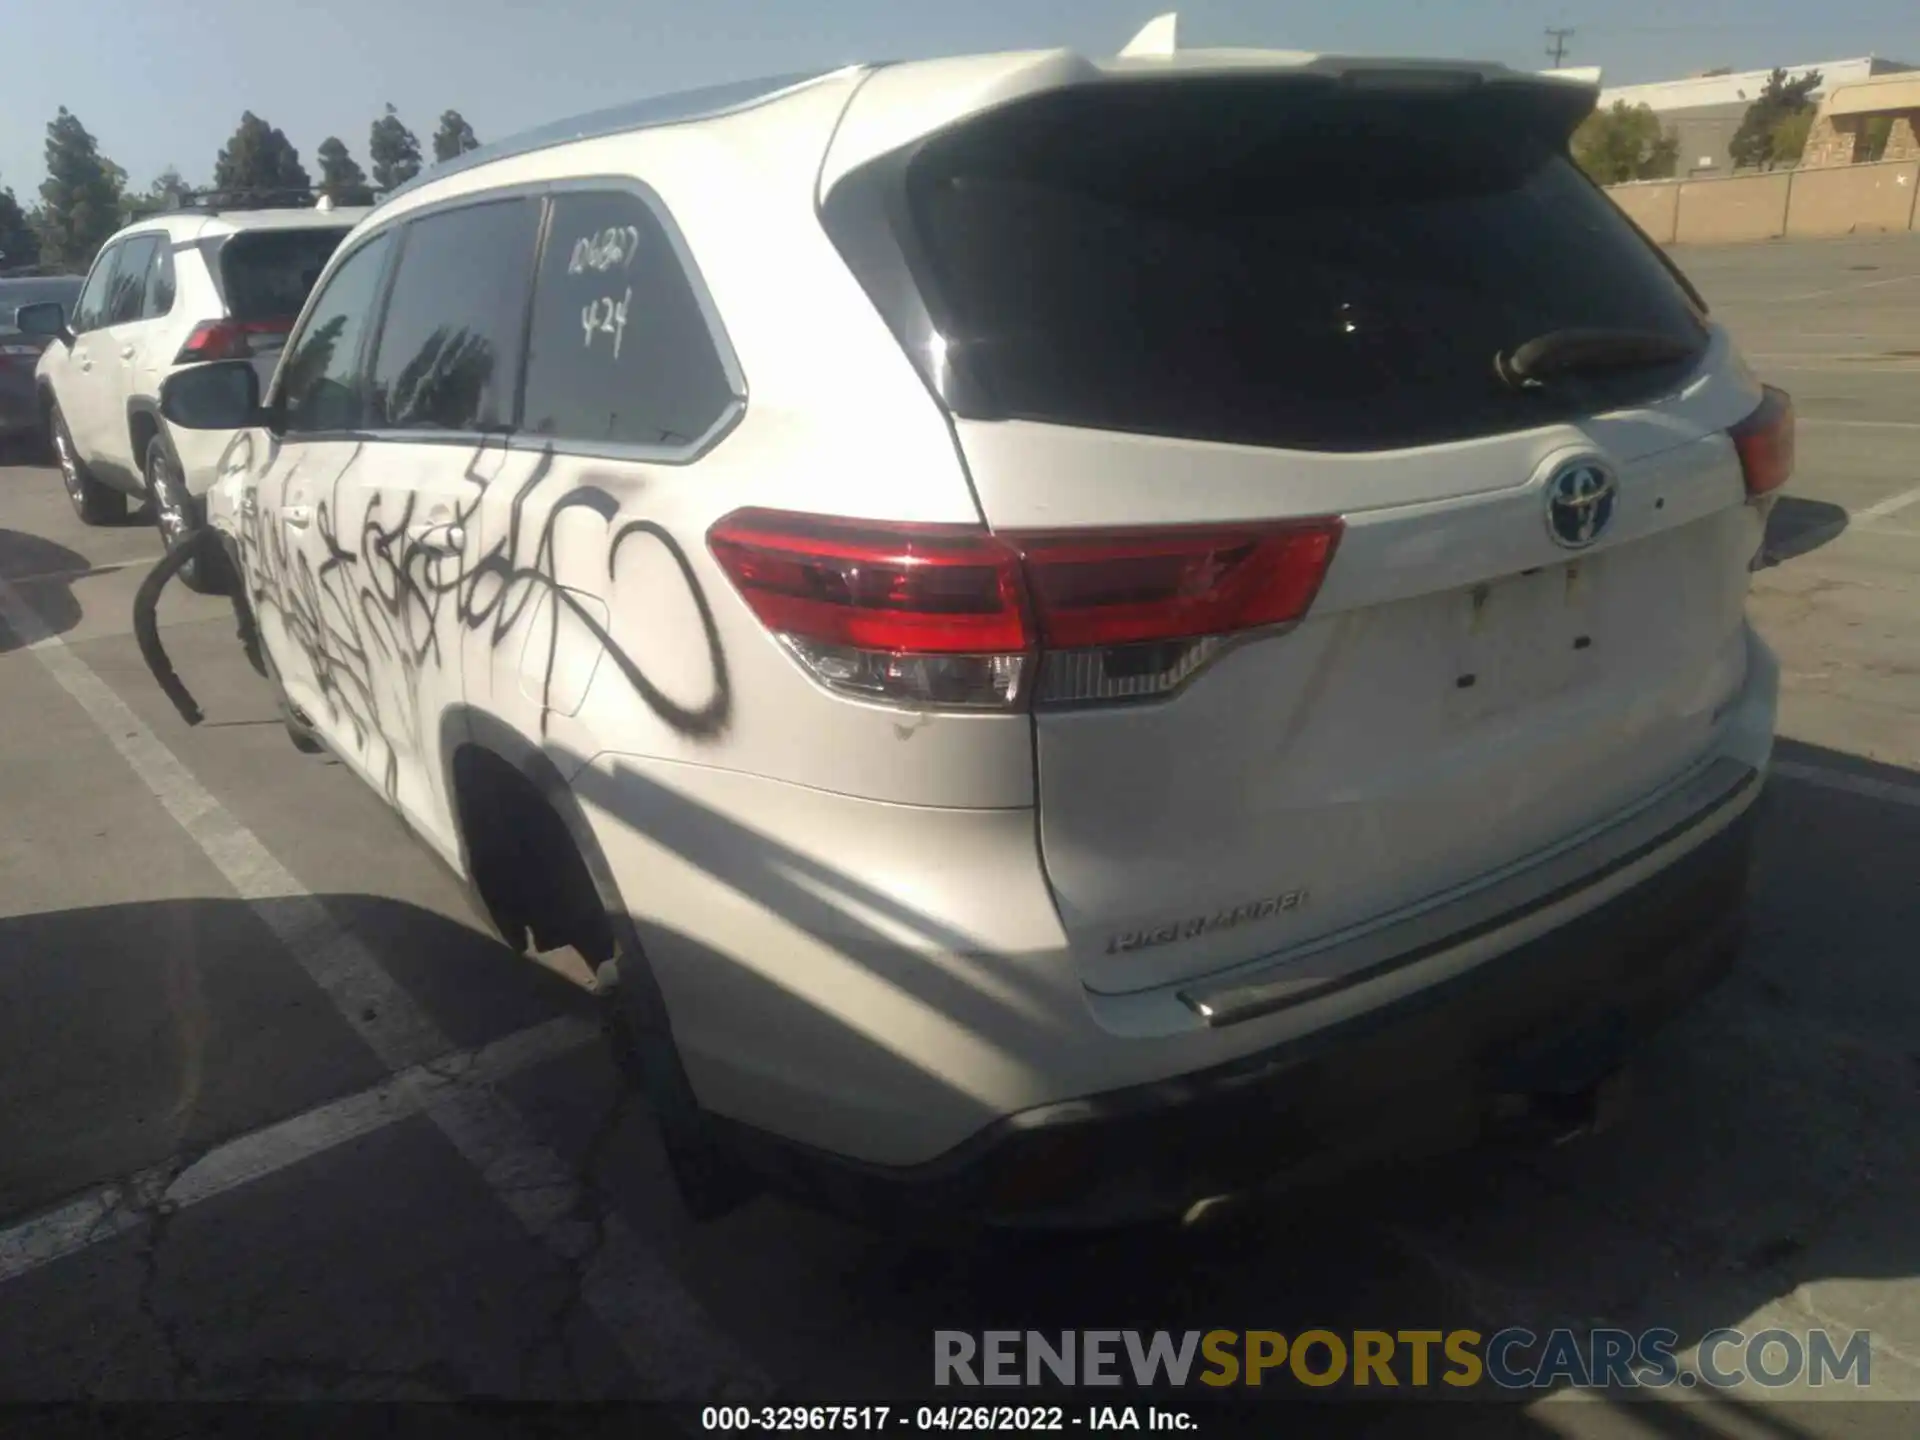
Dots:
pixel 1765 442
pixel 959 616
pixel 227 339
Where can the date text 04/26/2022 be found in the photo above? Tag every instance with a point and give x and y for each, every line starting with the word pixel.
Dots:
pixel 962 1419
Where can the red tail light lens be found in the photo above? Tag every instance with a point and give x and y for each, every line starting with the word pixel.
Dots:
pixel 931 614
pixel 1765 442
pixel 1129 589
pixel 226 339
pixel 955 615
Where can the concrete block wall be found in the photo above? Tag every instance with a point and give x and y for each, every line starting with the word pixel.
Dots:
pixel 1812 200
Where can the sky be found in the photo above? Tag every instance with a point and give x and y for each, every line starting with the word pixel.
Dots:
pixel 164 82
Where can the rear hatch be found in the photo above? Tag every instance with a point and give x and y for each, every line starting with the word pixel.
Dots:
pixel 265 277
pixel 1248 352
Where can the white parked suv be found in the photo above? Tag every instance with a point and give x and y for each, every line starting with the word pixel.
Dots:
pixel 1067 645
pixel 174 290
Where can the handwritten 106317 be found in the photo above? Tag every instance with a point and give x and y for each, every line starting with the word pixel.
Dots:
pixel 611 249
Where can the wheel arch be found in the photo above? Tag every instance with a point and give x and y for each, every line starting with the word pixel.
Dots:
pixel 143 424
pixel 472 738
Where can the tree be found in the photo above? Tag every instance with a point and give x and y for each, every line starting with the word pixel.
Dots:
pixel 1752 143
pixel 341 178
pixel 1624 143
pixel 80 198
pixel 259 158
pixel 395 151
pixel 18 244
pixel 1788 140
pixel 164 194
pixel 1875 131
pixel 454 137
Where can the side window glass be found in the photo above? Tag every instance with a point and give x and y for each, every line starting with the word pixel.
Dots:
pixel 621 350
pixel 90 310
pixel 160 282
pixel 128 294
pixel 320 378
pixel 449 348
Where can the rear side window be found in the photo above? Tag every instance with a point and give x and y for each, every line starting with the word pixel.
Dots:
pixel 1285 262
pixel 268 274
pixel 320 378
pixel 127 295
pixel 448 353
pixel 621 351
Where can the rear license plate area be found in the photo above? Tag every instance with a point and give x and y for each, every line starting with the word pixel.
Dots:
pixel 1523 639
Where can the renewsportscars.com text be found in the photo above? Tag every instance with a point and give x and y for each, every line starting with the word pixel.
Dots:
pixel 1511 1359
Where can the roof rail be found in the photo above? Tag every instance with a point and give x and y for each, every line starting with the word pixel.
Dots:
pixel 212 202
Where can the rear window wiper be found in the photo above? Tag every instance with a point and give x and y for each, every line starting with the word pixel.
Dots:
pixel 1570 352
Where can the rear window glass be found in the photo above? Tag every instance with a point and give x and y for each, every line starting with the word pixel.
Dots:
pixel 268 274
pixel 1284 263
pixel 34 291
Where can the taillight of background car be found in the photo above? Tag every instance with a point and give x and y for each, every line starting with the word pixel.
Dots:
pixel 230 340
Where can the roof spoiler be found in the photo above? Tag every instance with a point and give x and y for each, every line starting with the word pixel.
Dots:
pixel 1156 37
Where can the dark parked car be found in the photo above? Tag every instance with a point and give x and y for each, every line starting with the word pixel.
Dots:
pixel 20 353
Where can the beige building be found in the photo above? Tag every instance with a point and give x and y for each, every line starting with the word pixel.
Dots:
pixel 1840 127
pixel 1702 112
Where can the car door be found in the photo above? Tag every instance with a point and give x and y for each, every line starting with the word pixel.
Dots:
pixel 442 386
pixel 115 351
pixel 279 498
pixel 80 376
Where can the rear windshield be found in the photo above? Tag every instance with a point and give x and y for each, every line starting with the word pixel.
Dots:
pixel 34 291
pixel 267 274
pixel 1287 263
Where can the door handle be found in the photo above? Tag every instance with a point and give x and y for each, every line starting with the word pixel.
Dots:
pixel 439 537
pixel 126 352
pixel 297 516
pixel 85 361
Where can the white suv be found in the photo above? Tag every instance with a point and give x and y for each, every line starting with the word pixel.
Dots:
pixel 174 290
pixel 1067 642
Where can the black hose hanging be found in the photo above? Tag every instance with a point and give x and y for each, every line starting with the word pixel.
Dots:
pixel 146 627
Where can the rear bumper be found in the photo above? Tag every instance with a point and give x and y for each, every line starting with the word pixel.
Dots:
pixel 1526 1035
pixel 19 405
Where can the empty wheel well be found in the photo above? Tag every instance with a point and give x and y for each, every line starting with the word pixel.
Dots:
pixel 141 428
pixel 524 863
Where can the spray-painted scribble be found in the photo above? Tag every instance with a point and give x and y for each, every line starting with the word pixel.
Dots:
pixel 369 604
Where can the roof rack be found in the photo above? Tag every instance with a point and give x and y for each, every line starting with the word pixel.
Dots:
pixel 212 202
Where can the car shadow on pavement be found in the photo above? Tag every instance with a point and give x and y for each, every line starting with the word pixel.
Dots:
pixel 42 571
pixel 142 1034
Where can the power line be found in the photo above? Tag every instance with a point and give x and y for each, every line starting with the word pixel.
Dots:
pixel 1557 45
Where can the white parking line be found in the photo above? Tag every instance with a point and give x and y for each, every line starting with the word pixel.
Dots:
pixel 666 1336
pixel 1848 289
pixel 1893 792
pixel 1892 505
pixel 111 1210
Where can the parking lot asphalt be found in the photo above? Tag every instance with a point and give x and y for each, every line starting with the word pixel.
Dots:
pixel 279 1119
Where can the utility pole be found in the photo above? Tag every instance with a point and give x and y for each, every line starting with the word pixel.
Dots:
pixel 1557 45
